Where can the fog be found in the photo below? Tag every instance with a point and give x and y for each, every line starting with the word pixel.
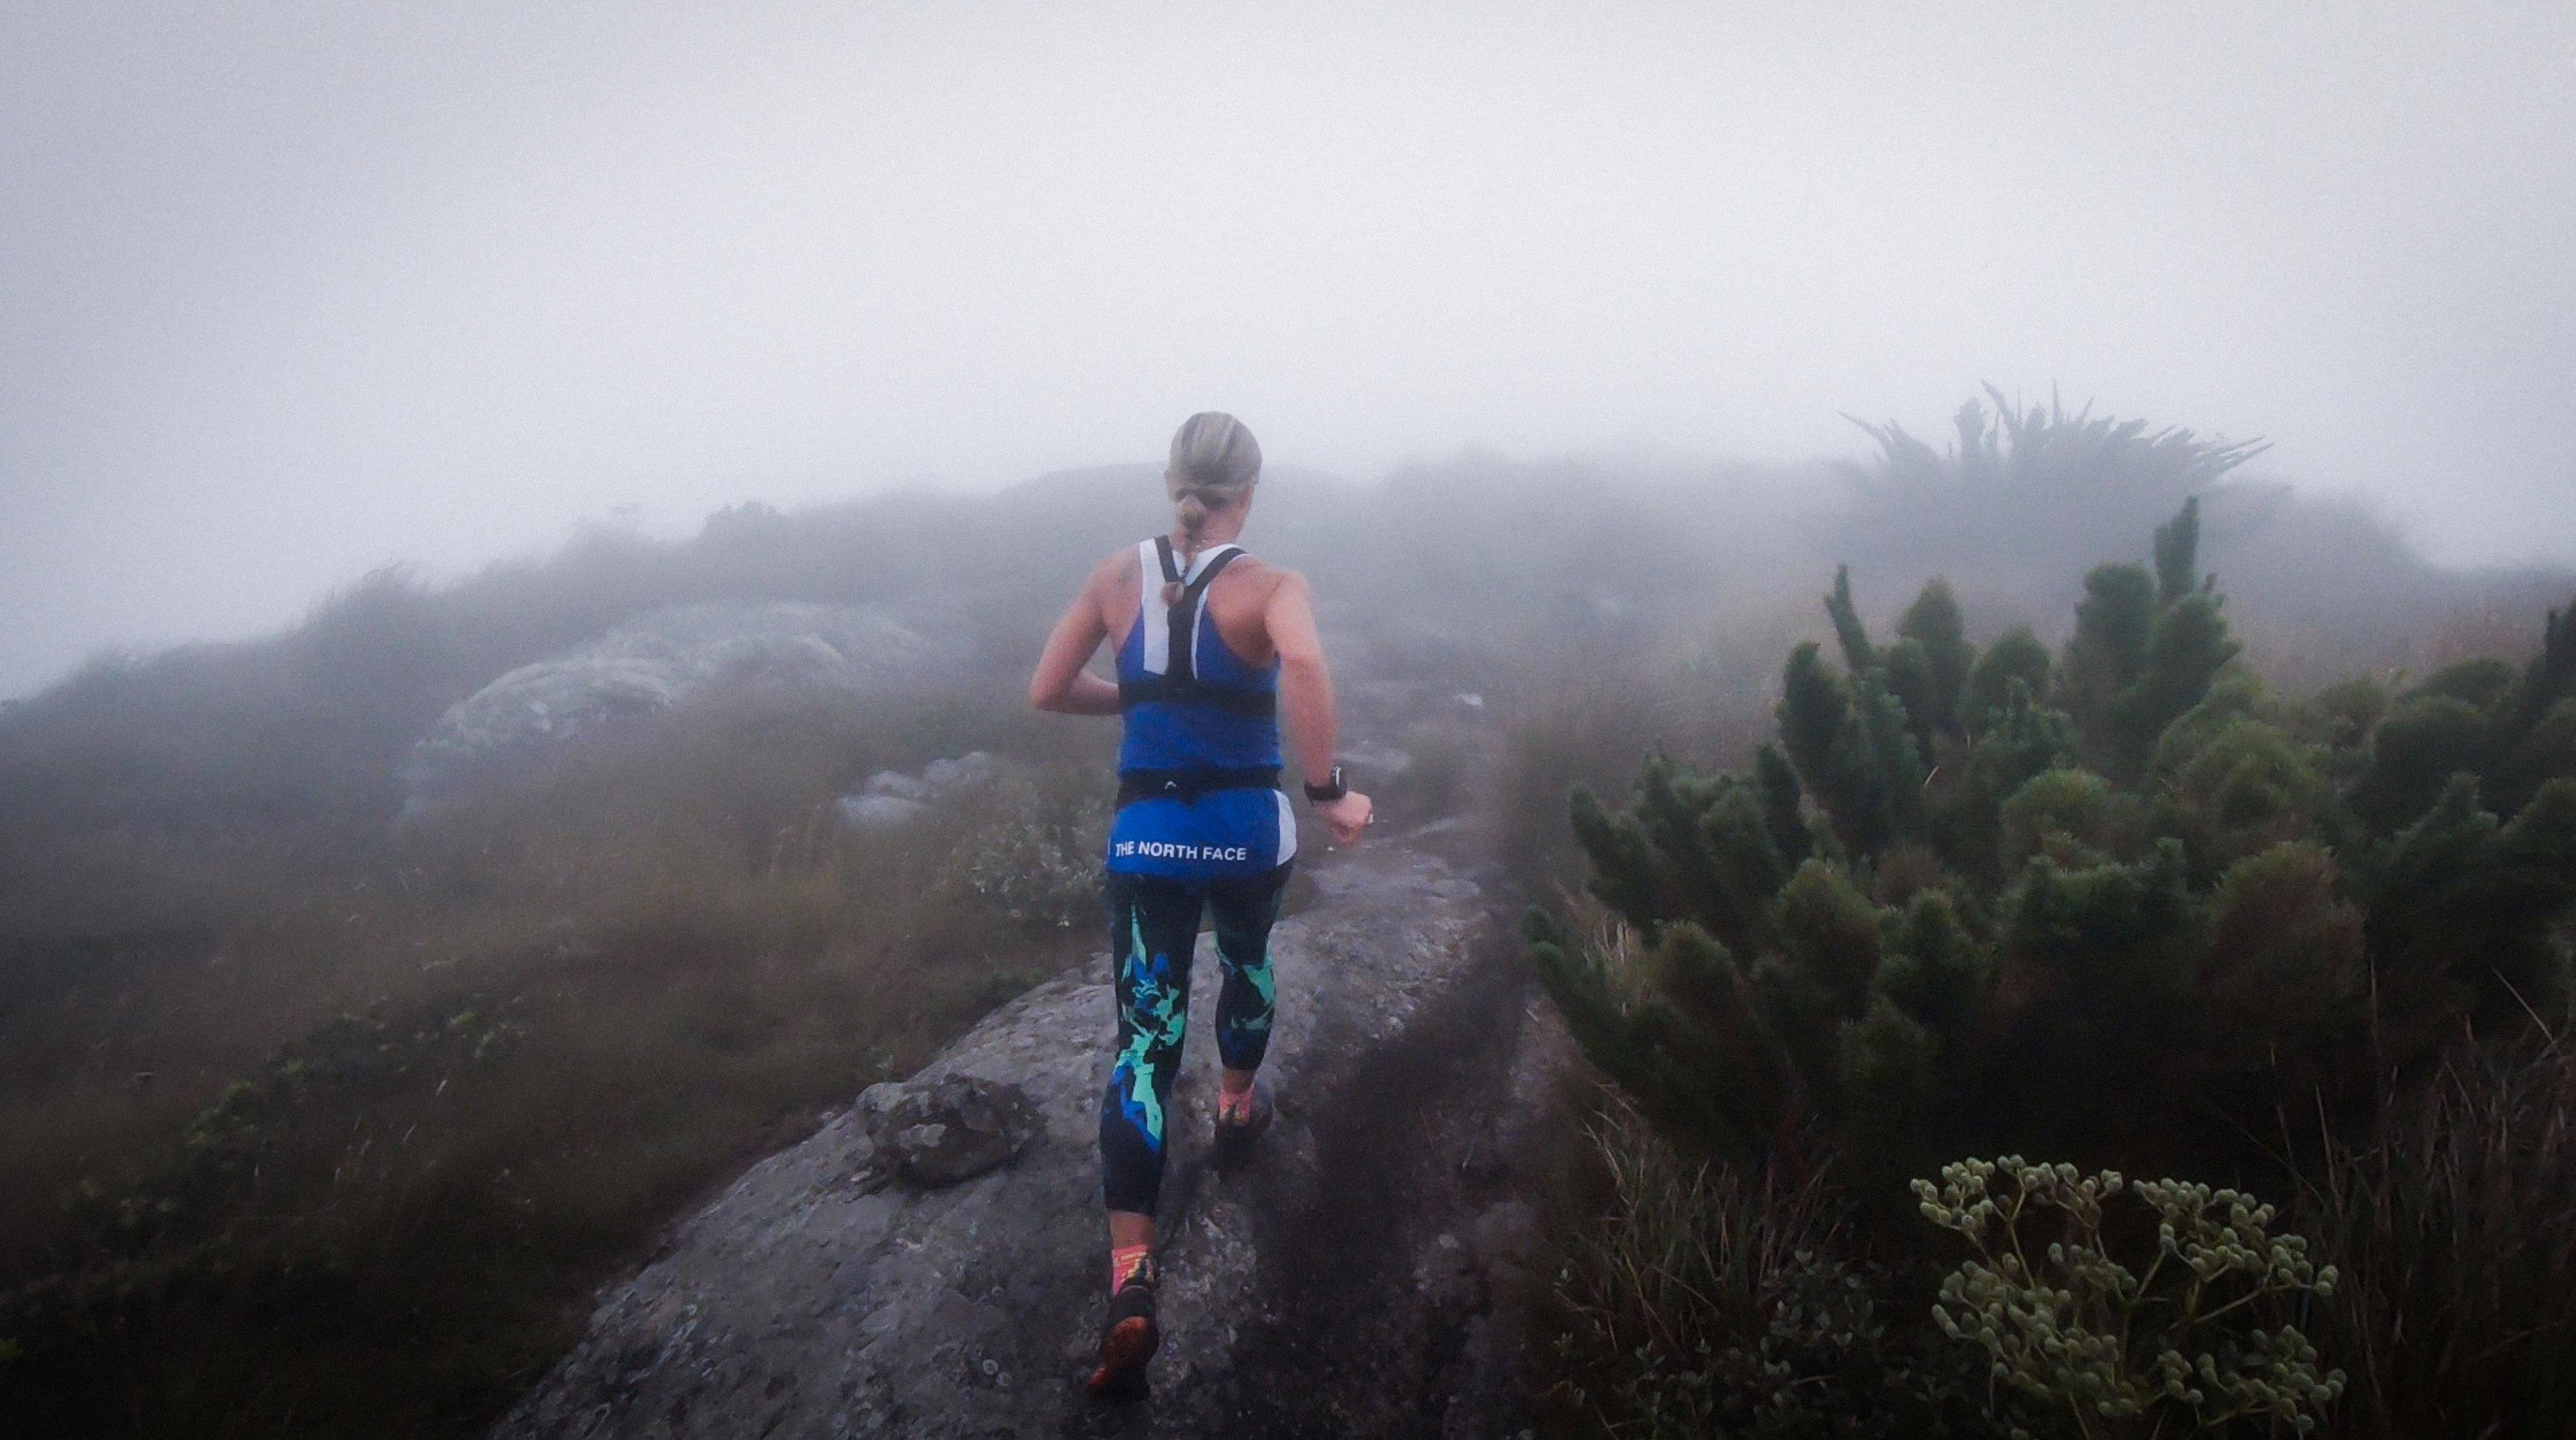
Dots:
pixel 291 290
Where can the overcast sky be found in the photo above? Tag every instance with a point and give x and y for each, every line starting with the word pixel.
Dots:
pixel 290 290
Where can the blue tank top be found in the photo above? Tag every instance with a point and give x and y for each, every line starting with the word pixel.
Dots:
pixel 1199 763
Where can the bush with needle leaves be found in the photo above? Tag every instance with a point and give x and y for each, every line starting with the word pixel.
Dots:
pixel 2120 903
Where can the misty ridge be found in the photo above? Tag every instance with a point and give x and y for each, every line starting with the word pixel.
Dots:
pixel 1537 554
pixel 1480 567
pixel 340 1018
pixel 535 900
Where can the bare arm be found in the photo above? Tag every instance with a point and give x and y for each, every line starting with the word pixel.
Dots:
pixel 1306 701
pixel 1305 683
pixel 1061 684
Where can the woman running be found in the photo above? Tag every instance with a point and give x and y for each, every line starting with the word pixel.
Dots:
pixel 1212 645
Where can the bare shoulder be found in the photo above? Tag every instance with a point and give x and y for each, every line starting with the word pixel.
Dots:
pixel 1114 581
pixel 1114 567
pixel 1260 579
pixel 1113 588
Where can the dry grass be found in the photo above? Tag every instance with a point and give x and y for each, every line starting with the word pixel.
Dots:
pixel 1684 1298
pixel 1686 1250
pixel 1586 718
pixel 403 1110
pixel 2494 615
pixel 2452 1222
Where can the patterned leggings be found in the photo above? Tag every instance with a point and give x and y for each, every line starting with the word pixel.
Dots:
pixel 1153 932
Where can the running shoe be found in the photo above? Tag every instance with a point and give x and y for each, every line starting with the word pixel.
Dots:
pixel 1129 1341
pixel 1236 1133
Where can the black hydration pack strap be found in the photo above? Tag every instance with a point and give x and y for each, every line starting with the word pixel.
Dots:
pixel 1185 604
pixel 1180 679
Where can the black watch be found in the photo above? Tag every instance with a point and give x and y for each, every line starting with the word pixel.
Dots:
pixel 1330 791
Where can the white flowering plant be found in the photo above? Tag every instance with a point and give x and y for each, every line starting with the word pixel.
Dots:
pixel 2173 1345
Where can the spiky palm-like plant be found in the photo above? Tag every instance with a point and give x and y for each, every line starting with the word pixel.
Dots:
pixel 2026 480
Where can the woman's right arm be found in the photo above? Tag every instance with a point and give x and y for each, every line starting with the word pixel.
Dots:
pixel 1306 702
pixel 1061 684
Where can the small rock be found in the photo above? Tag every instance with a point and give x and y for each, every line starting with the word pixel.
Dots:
pixel 891 798
pixel 878 812
pixel 947 1130
pixel 898 785
pixel 975 767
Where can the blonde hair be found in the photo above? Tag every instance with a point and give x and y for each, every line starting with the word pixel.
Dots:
pixel 1212 450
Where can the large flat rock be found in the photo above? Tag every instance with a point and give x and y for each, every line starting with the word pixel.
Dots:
pixel 809 1301
pixel 661 658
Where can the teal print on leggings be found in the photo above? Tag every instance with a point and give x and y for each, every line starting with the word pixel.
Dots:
pixel 1249 999
pixel 1161 1011
pixel 1154 930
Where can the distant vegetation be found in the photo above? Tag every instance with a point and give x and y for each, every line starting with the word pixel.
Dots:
pixel 2037 489
pixel 2024 498
pixel 393 1117
pixel 2122 905
pixel 283 1070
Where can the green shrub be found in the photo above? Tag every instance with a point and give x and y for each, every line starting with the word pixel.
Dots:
pixel 2016 657
pixel 2284 985
pixel 2418 747
pixel 2246 787
pixel 2074 817
pixel 2157 897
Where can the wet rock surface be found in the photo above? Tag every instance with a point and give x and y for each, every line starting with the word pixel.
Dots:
pixel 1342 1283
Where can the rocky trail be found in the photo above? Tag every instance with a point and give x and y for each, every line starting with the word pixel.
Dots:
pixel 1353 1279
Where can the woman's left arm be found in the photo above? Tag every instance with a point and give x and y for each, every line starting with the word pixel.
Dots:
pixel 1061 684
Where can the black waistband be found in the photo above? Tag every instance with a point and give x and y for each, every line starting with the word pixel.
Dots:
pixel 1135 785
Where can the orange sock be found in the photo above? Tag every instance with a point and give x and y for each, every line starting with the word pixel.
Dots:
pixel 1233 1104
pixel 1126 1260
